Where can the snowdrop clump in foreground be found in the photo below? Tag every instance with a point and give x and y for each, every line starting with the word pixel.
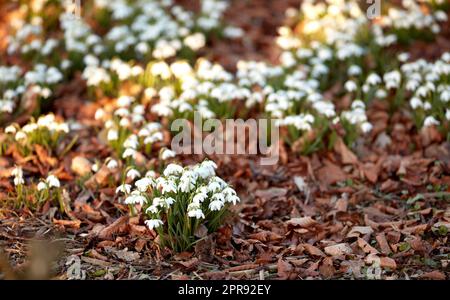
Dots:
pixel 180 201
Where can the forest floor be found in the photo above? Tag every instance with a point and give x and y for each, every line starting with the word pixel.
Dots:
pixel 327 215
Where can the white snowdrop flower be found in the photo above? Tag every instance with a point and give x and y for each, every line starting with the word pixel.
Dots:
pixel 95 167
pixel 187 181
pixel 131 142
pixel 155 137
pixel 233 32
pixel 169 201
pixel 135 198
pixel 143 132
pixel 46 93
pixel 136 71
pixel 427 105
pixel 18 176
pixel 403 57
pixel 287 59
pixel 161 69
pixel 125 101
pixel 158 202
pixel 232 199
pixel 354 70
pixel 29 128
pixel 447 114
pixel 66 64
pixel 415 103
pixel 446 57
pixel 228 191
pixel 139 109
pixel 129 152
pixel 218 197
pixel 168 186
pixel 153 209
pixel 206 169
pixel 366 127
pixel 167 154
pixel 150 174
pixel 392 79
pixel 91 60
pixel 430 121
pixel 112 164
pixel 10 129
pixel 196 213
pixel 412 85
pixel 142 48
pixel 124 122
pixel 109 124
pixel 113 135
pixel 173 169
pixel 381 93
pixel 216 205
pixel 445 95
pixel 99 114
pixel 150 92
pixel 325 108
pixel 195 41
pixel 350 86
pixel 124 188
pixel 422 91
pixel 20 136
pixel 214 187
pixel 143 184
pixel 440 16
pixel 41 186
pixel 153 223
pixel 373 79
pixel 181 69
pixel 199 198
pixel 53 181
pixel 133 174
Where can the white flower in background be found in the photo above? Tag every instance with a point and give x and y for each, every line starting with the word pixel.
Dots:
pixel 18 176
pixel 373 79
pixel 113 135
pixel 351 86
pixel 129 152
pixel 124 188
pixel 415 102
pixel 366 127
pixel 133 174
pixel 53 181
pixel 167 154
pixel 112 164
pixel 10 129
pixel 392 79
pixel 430 121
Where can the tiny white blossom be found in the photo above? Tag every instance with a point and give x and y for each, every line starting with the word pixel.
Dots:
pixel 154 223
